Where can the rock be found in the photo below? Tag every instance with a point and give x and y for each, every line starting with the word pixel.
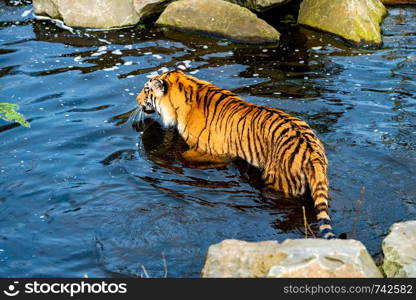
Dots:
pixel 99 13
pixel 292 258
pixel 320 258
pixel 395 2
pixel 46 8
pixel 354 20
pixel 218 18
pixel 234 258
pixel 147 8
pixel 399 248
pixel 259 5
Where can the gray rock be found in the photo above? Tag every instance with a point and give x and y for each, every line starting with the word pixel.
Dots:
pixel 320 258
pixel 399 248
pixel 354 20
pixel 219 18
pixel 147 8
pixel 292 258
pixel 234 258
pixel 259 5
pixel 46 8
pixel 99 13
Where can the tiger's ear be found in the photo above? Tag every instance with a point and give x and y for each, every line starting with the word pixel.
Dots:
pixel 160 86
pixel 181 67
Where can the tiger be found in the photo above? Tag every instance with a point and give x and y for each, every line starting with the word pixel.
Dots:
pixel 219 126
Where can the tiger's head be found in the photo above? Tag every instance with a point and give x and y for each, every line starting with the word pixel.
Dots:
pixel 162 94
pixel 148 98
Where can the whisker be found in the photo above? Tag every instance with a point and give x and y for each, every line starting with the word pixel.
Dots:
pixel 137 117
pixel 141 116
pixel 133 114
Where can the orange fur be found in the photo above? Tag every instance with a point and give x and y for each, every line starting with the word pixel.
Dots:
pixel 219 126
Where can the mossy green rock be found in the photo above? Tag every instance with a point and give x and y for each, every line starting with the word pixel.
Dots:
pixel 355 20
pixel 399 249
pixel 218 18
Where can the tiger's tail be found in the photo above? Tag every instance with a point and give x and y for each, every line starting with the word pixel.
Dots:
pixel 318 184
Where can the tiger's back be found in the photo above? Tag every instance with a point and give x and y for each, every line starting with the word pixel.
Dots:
pixel 218 123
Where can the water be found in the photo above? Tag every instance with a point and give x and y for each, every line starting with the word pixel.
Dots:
pixel 84 192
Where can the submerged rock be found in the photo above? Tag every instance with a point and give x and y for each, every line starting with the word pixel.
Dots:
pixel 354 20
pixel 218 18
pixel 399 248
pixel 259 5
pixel 292 258
pixel 99 13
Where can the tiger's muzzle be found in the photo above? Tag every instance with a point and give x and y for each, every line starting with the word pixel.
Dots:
pixel 145 105
pixel 148 109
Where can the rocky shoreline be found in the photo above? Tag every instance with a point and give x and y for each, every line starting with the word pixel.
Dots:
pixel 314 258
pixel 356 21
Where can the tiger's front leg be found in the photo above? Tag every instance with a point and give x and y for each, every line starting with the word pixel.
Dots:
pixel 203 160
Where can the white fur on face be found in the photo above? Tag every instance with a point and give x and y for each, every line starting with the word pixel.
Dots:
pixel 168 118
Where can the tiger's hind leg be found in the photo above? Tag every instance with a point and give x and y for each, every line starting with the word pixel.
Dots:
pixel 203 160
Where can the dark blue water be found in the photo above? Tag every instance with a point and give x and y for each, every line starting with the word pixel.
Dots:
pixel 84 192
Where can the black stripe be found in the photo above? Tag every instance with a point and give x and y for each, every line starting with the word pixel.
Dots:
pixel 192 80
pixel 326 233
pixel 242 118
pixel 217 102
pixel 285 142
pixel 282 136
pixel 319 194
pixel 225 109
pixel 205 101
pixel 255 131
pixel 324 222
pixel 288 163
pixel 295 152
pixel 191 89
pixel 263 123
pixel 321 207
pixel 278 123
pixel 231 114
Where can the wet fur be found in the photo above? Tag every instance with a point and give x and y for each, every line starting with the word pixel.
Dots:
pixel 219 126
